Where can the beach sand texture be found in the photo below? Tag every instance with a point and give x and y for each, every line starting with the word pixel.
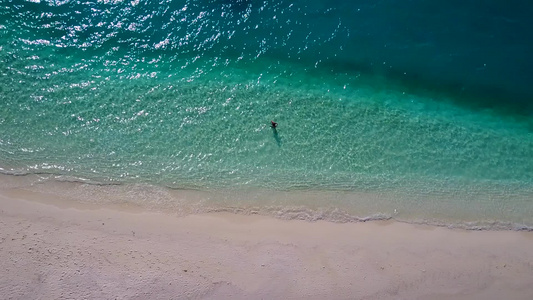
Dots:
pixel 54 249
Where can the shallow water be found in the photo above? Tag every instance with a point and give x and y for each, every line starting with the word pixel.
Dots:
pixel 409 110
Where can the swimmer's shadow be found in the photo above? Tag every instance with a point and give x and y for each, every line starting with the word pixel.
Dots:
pixel 276 136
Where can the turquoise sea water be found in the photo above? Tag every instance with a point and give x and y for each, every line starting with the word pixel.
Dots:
pixel 417 111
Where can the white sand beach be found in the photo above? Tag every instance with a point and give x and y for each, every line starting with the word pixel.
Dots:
pixel 54 249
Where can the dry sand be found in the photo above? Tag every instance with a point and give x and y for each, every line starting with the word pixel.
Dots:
pixel 53 250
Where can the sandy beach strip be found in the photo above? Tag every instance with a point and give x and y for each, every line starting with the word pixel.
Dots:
pixel 61 250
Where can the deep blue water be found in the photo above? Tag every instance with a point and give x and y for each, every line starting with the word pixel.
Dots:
pixel 471 47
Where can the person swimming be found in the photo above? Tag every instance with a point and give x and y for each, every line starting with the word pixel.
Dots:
pixel 273 124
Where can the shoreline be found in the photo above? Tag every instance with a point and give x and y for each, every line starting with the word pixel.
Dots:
pixel 308 205
pixel 72 250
